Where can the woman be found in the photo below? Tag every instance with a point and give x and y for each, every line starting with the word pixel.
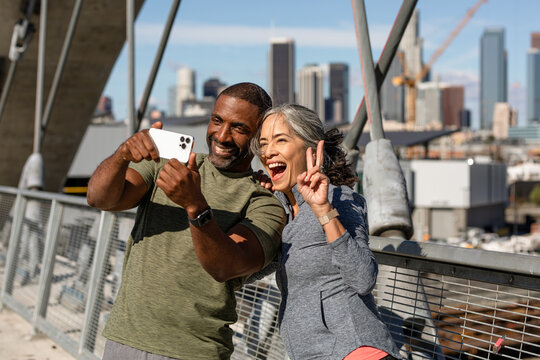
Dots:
pixel 327 270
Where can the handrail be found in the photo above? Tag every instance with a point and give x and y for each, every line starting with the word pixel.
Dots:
pixel 500 261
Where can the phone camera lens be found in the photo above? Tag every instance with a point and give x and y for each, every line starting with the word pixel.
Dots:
pixel 183 146
pixel 182 139
pixel 188 140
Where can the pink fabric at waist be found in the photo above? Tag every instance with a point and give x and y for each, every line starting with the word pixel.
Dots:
pixel 366 353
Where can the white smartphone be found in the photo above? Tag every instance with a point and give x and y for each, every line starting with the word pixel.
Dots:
pixel 171 145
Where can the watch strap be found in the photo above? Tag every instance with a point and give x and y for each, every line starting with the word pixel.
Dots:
pixel 203 218
pixel 325 219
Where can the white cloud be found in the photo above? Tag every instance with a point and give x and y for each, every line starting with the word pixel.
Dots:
pixel 195 33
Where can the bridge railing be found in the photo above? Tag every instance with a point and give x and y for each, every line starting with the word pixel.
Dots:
pixel 61 260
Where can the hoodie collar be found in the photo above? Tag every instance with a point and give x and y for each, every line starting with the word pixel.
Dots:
pixel 285 200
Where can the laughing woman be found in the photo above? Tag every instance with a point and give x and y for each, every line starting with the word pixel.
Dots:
pixel 327 271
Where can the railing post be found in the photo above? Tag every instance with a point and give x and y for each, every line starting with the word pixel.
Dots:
pixel 130 32
pixel 47 263
pixel 14 239
pixel 91 314
pixel 157 62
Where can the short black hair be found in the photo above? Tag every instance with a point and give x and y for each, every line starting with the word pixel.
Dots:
pixel 250 92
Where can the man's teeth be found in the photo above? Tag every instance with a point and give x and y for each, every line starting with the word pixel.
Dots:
pixel 222 149
pixel 275 165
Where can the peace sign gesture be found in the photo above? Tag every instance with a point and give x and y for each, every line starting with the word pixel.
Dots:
pixel 313 184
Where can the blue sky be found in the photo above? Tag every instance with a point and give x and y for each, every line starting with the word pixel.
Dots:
pixel 230 40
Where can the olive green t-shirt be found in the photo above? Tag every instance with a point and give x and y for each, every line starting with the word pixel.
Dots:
pixel 167 303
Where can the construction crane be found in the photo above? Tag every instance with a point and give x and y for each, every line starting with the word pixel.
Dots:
pixel 410 80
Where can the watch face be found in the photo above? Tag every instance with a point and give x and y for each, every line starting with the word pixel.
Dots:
pixel 206 217
pixel 203 218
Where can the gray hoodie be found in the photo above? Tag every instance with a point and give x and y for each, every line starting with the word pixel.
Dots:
pixel 327 309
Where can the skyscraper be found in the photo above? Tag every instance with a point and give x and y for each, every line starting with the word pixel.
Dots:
pixel 535 40
pixel 171 101
pixel 411 47
pixel 310 89
pixel 533 80
pixel 504 116
pixel 429 104
pixel 212 87
pixel 185 87
pixel 493 78
pixel 391 96
pixel 338 78
pixel 281 70
pixel 452 102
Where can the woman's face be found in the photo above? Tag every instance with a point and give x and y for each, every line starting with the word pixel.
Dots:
pixel 283 154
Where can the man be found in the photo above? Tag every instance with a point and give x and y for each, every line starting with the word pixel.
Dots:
pixel 200 230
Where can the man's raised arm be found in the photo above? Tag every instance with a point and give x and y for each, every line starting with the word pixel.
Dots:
pixel 223 255
pixel 113 185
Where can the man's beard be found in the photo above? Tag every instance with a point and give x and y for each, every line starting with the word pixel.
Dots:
pixel 225 163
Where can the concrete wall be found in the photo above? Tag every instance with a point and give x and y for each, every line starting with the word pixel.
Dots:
pixel 99 38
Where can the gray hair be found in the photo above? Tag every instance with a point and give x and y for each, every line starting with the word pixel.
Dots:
pixel 302 121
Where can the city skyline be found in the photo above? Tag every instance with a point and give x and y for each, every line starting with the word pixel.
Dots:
pixel 231 41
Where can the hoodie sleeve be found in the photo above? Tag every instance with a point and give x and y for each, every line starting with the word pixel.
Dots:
pixel 350 252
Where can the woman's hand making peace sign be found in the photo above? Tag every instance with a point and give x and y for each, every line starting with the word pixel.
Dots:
pixel 313 184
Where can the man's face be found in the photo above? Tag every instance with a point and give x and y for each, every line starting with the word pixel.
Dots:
pixel 232 125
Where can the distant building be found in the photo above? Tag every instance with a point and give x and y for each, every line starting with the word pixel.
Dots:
pixel 474 195
pixel 338 104
pixel 171 101
pixel 465 116
pixel 391 96
pixel 212 87
pixel 103 112
pixel 192 108
pixel 535 40
pixel 411 46
pixel 428 104
pixel 104 106
pixel 438 104
pixel 281 71
pixel 453 98
pixel 185 87
pixel 530 133
pixel 533 85
pixel 504 117
pixel 310 89
pixel 493 74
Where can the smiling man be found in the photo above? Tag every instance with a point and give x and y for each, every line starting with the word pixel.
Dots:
pixel 200 230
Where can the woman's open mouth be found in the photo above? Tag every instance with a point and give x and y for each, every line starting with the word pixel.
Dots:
pixel 276 170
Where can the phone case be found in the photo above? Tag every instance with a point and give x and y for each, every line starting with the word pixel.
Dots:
pixel 171 145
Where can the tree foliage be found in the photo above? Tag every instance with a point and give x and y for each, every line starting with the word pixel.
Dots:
pixel 534 196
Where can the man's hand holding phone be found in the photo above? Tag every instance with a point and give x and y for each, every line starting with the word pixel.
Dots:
pixel 140 146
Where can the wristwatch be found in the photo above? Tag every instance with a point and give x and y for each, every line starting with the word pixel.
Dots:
pixel 325 219
pixel 202 219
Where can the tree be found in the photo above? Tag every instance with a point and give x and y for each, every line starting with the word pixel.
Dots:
pixel 534 196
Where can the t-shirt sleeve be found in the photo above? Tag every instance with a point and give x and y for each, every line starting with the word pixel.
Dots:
pixel 147 170
pixel 265 217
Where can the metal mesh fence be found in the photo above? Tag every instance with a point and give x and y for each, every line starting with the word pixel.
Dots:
pixel 472 319
pixel 256 333
pixel 72 263
pixel 30 246
pixel 80 253
pixel 6 219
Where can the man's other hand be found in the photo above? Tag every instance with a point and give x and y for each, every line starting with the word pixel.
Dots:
pixel 182 184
